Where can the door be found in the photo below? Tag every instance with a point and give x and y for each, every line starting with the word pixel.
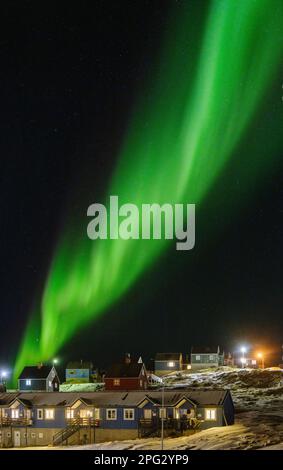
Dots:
pixel 147 414
pixel 17 438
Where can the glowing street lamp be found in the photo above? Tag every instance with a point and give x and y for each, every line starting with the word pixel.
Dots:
pixel 3 375
pixel 261 356
pixel 55 361
pixel 243 359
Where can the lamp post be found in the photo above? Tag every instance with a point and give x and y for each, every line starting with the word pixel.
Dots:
pixel 162 419
pixel 261 356
pixel 3 375
pixel 243 359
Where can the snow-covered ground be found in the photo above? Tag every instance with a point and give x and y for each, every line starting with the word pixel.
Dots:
pixel 83 387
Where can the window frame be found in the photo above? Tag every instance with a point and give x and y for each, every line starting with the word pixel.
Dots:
pixel 111 410
pixel 15 411
pixel 38 412
pixel 47 410
pixel 208 413
pixel 125 411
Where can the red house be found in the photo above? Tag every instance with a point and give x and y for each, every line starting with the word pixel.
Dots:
pixel 126 376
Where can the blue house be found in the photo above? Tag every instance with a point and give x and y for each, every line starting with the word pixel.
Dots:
pixel 33 419
pixel 39 379
pixel 165 363
pixel 204 357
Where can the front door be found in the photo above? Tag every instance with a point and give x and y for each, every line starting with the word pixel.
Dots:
pixel 17 438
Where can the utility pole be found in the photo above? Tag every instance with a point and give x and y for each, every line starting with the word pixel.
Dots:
pixel 162 419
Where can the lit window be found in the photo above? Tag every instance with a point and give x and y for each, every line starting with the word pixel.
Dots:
pixel 69 413
pixel 85 413
pixel 162 413
pixel 50 383
pixel 49 413
pixel 96 413
pixel 147 414
pixel 254 362
pixel 197 357
pixel 210 414
pixel 211 357
pixel 171 364
pixel 28 382
pixel 129 414
pixel 39 414
pixel 15 414
pixel 111 414
pixel 116 382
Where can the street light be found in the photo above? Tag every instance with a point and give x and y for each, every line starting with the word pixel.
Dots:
pixel 261 356
pixel 3 375
pixel 243 359
pixel 55 361
pixel 162 417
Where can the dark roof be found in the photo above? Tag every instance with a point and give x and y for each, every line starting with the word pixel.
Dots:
pixel 131 357
pixel 168 356
pixel 124 370
pixel 79 365
pixel 205 350
pixel 35 372
pixel 102 399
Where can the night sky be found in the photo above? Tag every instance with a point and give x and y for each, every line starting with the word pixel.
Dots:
pixel 69 79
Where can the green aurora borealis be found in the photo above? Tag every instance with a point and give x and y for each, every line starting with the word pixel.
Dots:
pixel 180 137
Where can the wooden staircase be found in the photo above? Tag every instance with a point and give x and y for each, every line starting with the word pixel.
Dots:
pixel 61 436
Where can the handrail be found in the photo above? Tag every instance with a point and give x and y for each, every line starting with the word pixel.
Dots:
pixel 15 421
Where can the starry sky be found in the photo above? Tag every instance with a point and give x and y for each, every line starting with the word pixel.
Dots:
pixel 69 78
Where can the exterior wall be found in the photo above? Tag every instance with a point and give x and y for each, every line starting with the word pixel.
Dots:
pixel 162 368
pixel 206 360
pixel 228 410
pixel 119 423
pixel 58 422
pixel 37 385
pixel 127 383
pixel 200 414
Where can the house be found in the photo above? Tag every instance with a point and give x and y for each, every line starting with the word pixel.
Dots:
pixel 80 372
pixel 39 378
pixel 204 357
pixel 126 376
pixel 165 363
pixel 41 419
